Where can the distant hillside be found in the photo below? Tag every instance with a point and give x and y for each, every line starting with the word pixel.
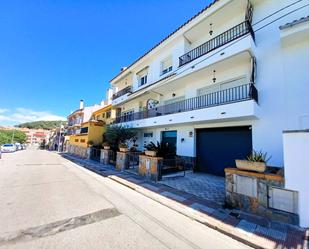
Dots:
pixel 47 125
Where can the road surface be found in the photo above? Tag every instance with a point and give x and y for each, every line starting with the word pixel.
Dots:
pixel 50 202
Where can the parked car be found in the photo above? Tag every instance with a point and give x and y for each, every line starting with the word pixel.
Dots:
pixel 18 146
pixel 8 148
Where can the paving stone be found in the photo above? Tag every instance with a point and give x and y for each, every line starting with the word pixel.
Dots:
pixel 134 180
pixel 151 187
pixel 220 214
pixel 173 196
pixel 206 186
pixel 269 232
pixel 201 207
pixel 246 227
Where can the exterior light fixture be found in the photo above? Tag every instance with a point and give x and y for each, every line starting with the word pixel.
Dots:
pixel 174 94
pixel 214 79
pixel 210 29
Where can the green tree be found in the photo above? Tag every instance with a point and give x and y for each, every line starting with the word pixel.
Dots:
pixel 15 136
pixel 46 125
pixel 115 135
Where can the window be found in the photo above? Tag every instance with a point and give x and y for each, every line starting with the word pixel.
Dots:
pixel 142 76
pixel 82 140
pixel 128 115
pixel 84 130
pixel 143 80
pixel 103 115
pixel 108 114
pixel 166 65
pixel 148 134
pixel 174 100
pixel 76 140
pixel 221 86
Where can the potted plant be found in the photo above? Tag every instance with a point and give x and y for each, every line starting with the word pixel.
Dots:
pixel 256 161
pixel 151 149
pixel 90 143
pixel 123 147
pixel 115 135
pixel 106 146
pixel 159 149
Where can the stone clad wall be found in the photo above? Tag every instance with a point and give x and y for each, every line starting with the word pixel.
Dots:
pixel 77 150
pixel 149 167
pixel 249 191
pixel 122 160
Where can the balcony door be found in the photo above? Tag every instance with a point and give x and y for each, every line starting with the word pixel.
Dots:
pixel 220 86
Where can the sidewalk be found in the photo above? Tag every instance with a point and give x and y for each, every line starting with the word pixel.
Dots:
pixel 252 230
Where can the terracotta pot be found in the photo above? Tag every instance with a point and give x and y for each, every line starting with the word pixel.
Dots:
pixel 106 147
pixel 150 153
pixel 251 166
pixel 123 149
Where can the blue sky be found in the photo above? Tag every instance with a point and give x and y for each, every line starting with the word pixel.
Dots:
pixel 55 52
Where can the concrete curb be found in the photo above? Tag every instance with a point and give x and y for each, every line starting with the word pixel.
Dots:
pixel 193 214
pixel 248 238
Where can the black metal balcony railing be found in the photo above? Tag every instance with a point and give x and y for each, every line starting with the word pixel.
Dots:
pixel 122 92
pixel 218 41
pixel 227 96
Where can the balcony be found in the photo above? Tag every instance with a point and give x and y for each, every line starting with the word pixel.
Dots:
pixel 226 37
pixel 122 92
pixel 227 96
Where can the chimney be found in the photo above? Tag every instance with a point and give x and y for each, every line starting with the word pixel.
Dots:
pixel 81 104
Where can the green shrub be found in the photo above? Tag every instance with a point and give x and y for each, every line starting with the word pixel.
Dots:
pixel 258 156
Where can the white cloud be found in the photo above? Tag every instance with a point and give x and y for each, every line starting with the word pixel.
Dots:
pixel 22 115
pixel 3 110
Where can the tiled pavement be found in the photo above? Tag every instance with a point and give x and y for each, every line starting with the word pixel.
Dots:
pixel 206 186
pixel 255 231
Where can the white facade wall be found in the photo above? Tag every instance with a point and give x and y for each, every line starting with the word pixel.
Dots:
pixel 282 78
pixel 272 84
pixel 296 145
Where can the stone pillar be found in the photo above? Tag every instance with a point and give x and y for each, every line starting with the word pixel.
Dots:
pixel 105 156
pixel 88 152
pixel 122 160
pixel 102 155
pixel 149 167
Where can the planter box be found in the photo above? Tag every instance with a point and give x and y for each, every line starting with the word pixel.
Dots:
pixel 150 153
pixel 251 166
pixel 107 147
pixel 123 149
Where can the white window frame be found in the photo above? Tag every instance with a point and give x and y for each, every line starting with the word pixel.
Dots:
pixel 142 76
pixel 164 69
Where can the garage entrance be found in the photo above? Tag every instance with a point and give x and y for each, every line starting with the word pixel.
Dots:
pixel 217 148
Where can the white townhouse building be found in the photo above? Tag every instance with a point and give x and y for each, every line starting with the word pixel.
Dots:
pixel 227 81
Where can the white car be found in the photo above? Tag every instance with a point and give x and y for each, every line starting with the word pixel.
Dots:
pixel 8 148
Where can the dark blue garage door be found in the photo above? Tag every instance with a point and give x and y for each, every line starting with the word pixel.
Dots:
pixel 217 148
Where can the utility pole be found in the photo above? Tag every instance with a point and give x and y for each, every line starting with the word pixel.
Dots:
pixel 13 136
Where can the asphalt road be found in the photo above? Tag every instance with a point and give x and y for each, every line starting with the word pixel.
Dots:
pixel 47 201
